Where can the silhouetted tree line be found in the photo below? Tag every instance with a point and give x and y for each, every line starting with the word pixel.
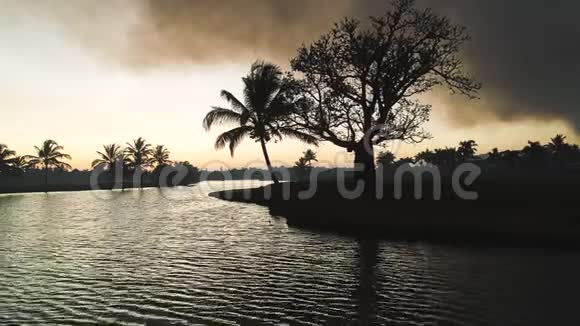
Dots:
pixel 556 154
pixel 147 164
pixel 47 157
pixel 150 165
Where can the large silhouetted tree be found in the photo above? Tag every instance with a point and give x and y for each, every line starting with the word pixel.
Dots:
pixel 358 83
pixel 264 105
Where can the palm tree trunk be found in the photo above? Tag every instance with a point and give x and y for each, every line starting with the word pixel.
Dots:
pixel 46 179
pixel 268 163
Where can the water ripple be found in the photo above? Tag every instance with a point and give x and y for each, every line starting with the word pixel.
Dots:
pixel 179 257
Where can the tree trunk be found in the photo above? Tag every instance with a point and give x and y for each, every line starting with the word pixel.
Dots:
pixel 268 163
pixel 364 159
pixel 46 179
pixel 140 179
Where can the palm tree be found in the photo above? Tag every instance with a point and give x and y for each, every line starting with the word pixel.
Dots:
pixel 558 144
pixel 139 155
pixel 161 159
pixel 467 149
pixel 113 159
pixel 6 158
pixel 20 164
pixel 108 158
pixel 49 155
pixel 305 162
pixel 561 151
pixel 160 156
pixel 264 105
pixel 303 166
pixel 310 157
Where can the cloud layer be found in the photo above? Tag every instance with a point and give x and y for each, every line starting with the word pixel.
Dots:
pixel 527 55
pixel 525 52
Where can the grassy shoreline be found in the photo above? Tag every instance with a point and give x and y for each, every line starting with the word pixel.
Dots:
pixel 538 213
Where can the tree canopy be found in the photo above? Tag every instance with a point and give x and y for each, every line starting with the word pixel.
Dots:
pixel 356 86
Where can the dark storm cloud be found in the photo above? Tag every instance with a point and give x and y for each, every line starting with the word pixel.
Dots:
pixel 526 52
pixel 223 30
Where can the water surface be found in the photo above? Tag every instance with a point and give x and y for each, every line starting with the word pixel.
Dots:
pixel 176 256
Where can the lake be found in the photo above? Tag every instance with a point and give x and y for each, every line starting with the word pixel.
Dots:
pixel 177 256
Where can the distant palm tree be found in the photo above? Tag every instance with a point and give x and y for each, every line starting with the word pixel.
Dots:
pixel 139 156
pixel 49 155
pixel 160 156
pixel 264 105
pixel 309 157
pixel 6 158
pixel 558 143
pixel 20 164
pixel 467 149
pixel 305 162
pixel 160 159
pixel 108 158
pixel 303 166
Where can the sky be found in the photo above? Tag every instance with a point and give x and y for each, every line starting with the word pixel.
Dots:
pixel 88 73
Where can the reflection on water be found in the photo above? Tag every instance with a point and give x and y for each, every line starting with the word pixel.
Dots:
pixel 178 256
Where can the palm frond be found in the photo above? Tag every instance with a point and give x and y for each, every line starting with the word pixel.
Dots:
pixel 262 85
pixel 63 166
pixel 49 154
pixel 234 102
pixel 221 116
pixel 232 137
pixel 301 136
pixel 5 153
pixel 279 109
pixel 97 163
